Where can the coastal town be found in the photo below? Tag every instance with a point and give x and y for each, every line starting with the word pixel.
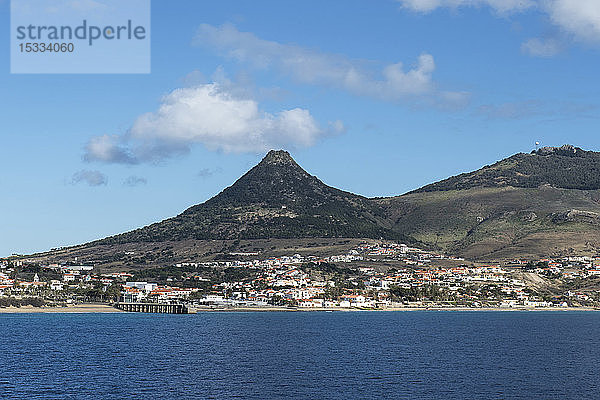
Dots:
pixel 370 276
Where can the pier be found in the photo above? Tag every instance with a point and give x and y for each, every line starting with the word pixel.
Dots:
pixel 157 308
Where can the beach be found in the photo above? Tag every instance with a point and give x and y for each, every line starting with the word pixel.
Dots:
pixel 77 308
pixel 106 308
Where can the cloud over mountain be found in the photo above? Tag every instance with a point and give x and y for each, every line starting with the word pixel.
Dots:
pixel 210 115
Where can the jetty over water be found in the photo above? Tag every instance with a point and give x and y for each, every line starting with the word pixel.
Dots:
pixel 157 308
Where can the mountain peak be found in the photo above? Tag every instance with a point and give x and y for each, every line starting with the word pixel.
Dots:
pixel 274 199
pixel 278 157
pixel 277 180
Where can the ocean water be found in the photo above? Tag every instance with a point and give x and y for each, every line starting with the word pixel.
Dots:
pixel 310 355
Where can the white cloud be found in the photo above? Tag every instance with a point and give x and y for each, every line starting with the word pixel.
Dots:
pixel 541 47
pixel 500 6
pixel 108 148
pixel 578 17
pixel 391 82
pixel 92 178
pixel 210 115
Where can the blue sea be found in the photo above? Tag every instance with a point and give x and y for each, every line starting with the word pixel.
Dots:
pixel 302 355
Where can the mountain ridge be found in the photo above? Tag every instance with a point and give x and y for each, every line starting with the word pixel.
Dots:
pixel 544 166
pixel 545 202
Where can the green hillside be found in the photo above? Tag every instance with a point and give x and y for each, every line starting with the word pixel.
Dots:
pixel 501 222
pixel 539 204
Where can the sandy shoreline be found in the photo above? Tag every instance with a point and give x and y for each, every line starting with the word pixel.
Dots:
pixel 78 308
pixel 105 308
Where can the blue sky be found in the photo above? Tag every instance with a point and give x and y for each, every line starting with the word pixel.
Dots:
pixel 374 97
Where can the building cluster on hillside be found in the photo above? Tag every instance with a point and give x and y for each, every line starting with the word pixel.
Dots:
pixel 352 280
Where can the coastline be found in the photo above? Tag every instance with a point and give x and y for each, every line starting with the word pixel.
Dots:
pixel 388 309
pixel 73 309
pixel 106 308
